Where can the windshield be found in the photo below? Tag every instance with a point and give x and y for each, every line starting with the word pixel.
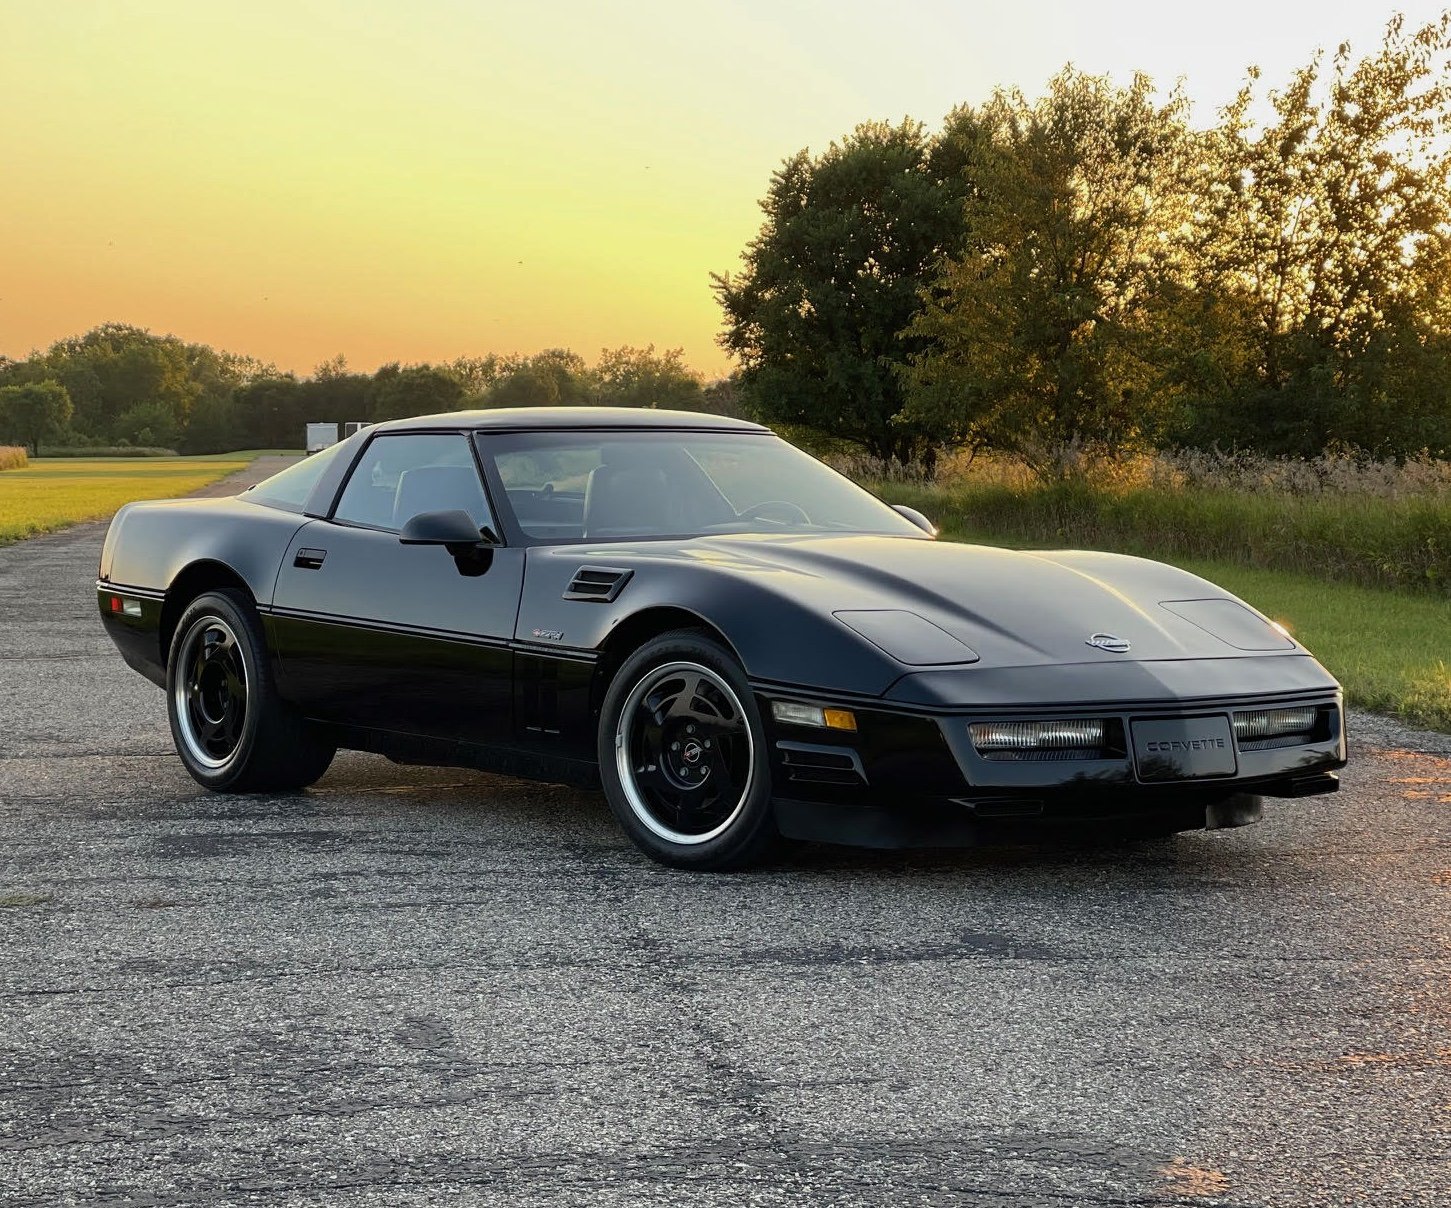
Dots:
pixel 596 486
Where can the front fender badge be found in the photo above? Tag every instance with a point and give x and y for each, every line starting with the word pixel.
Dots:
pixel 1107 641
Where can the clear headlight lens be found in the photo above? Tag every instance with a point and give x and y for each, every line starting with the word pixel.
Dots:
pixel 1069 735
pixel 1273 723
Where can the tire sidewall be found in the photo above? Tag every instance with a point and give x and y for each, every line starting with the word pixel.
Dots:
pixel 224 606
pixel 755 826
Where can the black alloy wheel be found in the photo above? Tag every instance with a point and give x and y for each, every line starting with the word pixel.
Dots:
pixel 211 692
pixel 231 727
pixel 682 755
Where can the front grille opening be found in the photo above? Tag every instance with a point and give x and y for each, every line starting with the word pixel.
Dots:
pixel 1268 729
pixel 1061 739
pixel 808 763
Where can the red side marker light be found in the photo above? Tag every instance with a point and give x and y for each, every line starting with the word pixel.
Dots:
pixel 115 603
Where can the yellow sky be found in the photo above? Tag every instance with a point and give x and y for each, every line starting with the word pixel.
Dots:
pixel 419 179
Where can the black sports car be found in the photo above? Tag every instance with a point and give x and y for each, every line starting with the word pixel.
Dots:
pixel 731 638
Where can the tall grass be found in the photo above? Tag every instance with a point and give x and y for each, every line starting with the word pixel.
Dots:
pixel 1378 524
pixel 13 457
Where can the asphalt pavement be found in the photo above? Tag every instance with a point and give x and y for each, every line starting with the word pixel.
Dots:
pixel 418 987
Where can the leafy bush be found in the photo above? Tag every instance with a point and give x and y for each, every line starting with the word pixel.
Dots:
pixel 13 457
pixel 106 451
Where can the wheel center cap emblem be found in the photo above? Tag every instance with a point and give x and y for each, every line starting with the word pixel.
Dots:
pixel 692 752
pixel 1107 641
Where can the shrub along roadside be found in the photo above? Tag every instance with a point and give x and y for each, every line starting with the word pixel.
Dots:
pixel 13 457
pixel 106 451
pixel 1390 542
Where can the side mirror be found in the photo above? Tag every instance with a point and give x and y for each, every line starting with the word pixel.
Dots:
pixel 454 528
pixel 916 518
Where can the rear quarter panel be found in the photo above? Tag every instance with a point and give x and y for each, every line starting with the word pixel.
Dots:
pixel 149 544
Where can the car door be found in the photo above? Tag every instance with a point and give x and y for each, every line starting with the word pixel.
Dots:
pixel 408 638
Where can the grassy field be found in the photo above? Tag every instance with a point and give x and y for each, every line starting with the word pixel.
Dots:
pixel 1390 648
pixel 1396 541
pixel 49 494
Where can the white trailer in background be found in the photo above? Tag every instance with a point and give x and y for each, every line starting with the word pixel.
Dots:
pixel 320 436
pixel 354 426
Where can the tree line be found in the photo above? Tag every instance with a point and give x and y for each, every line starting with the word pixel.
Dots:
pixel 1084 273
pixel 123 386
pixel 1089 272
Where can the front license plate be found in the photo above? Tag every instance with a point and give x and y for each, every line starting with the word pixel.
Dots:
pixel 1184 748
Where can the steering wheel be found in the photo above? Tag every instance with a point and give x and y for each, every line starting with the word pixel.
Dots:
pixel 796 512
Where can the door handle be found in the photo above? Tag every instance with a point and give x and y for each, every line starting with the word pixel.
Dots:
pixel 309 559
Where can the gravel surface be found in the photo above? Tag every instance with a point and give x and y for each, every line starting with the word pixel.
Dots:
pixel 413 987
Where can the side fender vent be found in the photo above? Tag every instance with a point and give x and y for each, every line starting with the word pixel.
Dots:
pixel 597 584
pixel 807 763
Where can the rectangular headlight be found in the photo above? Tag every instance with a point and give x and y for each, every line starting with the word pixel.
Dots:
pixel 1273 723
pixel 1069 735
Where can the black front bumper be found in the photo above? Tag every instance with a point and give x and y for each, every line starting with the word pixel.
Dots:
pixel 916 779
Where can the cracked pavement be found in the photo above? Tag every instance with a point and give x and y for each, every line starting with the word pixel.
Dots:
pixel 414 986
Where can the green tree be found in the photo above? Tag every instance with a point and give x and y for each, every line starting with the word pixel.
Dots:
pixel 216 426
pixel 1324 226
pixel 113 368
pixel 816 316
pixel 639 377
pixel 270 413
pixel 555 377
pixel 723 397
pixel 329 397
pixel 476 374
pixel 397 393
pixel 150 424
pixel 1045 335
pixel 34 412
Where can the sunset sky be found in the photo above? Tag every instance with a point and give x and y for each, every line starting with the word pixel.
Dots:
pixel 417 180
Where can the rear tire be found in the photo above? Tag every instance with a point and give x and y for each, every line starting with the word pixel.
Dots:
pixel 682 754
pixel 232 729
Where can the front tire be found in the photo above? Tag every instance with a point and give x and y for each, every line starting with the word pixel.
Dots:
pixel 682 754
pixel 233 731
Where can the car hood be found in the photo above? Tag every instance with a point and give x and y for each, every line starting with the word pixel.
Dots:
pixel 1010 607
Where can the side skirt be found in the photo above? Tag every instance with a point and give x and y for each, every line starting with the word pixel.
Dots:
pixel 433 752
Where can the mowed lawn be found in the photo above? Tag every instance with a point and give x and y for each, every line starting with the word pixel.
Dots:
pixel 1391 649
pixel 53 492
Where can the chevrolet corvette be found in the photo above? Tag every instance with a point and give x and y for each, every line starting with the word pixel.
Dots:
pixel 731 639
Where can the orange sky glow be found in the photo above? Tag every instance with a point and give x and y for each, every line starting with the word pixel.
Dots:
pixel 418 181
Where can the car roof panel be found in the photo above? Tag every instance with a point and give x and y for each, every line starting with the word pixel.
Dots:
pixel 525 419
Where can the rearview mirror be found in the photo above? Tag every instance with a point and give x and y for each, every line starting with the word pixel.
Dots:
pixel 446 528
pixel 916 518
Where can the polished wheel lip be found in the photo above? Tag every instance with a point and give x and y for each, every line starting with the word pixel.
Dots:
pixel 625 732
pixel 194 689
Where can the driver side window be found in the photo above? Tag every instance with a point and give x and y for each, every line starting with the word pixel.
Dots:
pixel 399 477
